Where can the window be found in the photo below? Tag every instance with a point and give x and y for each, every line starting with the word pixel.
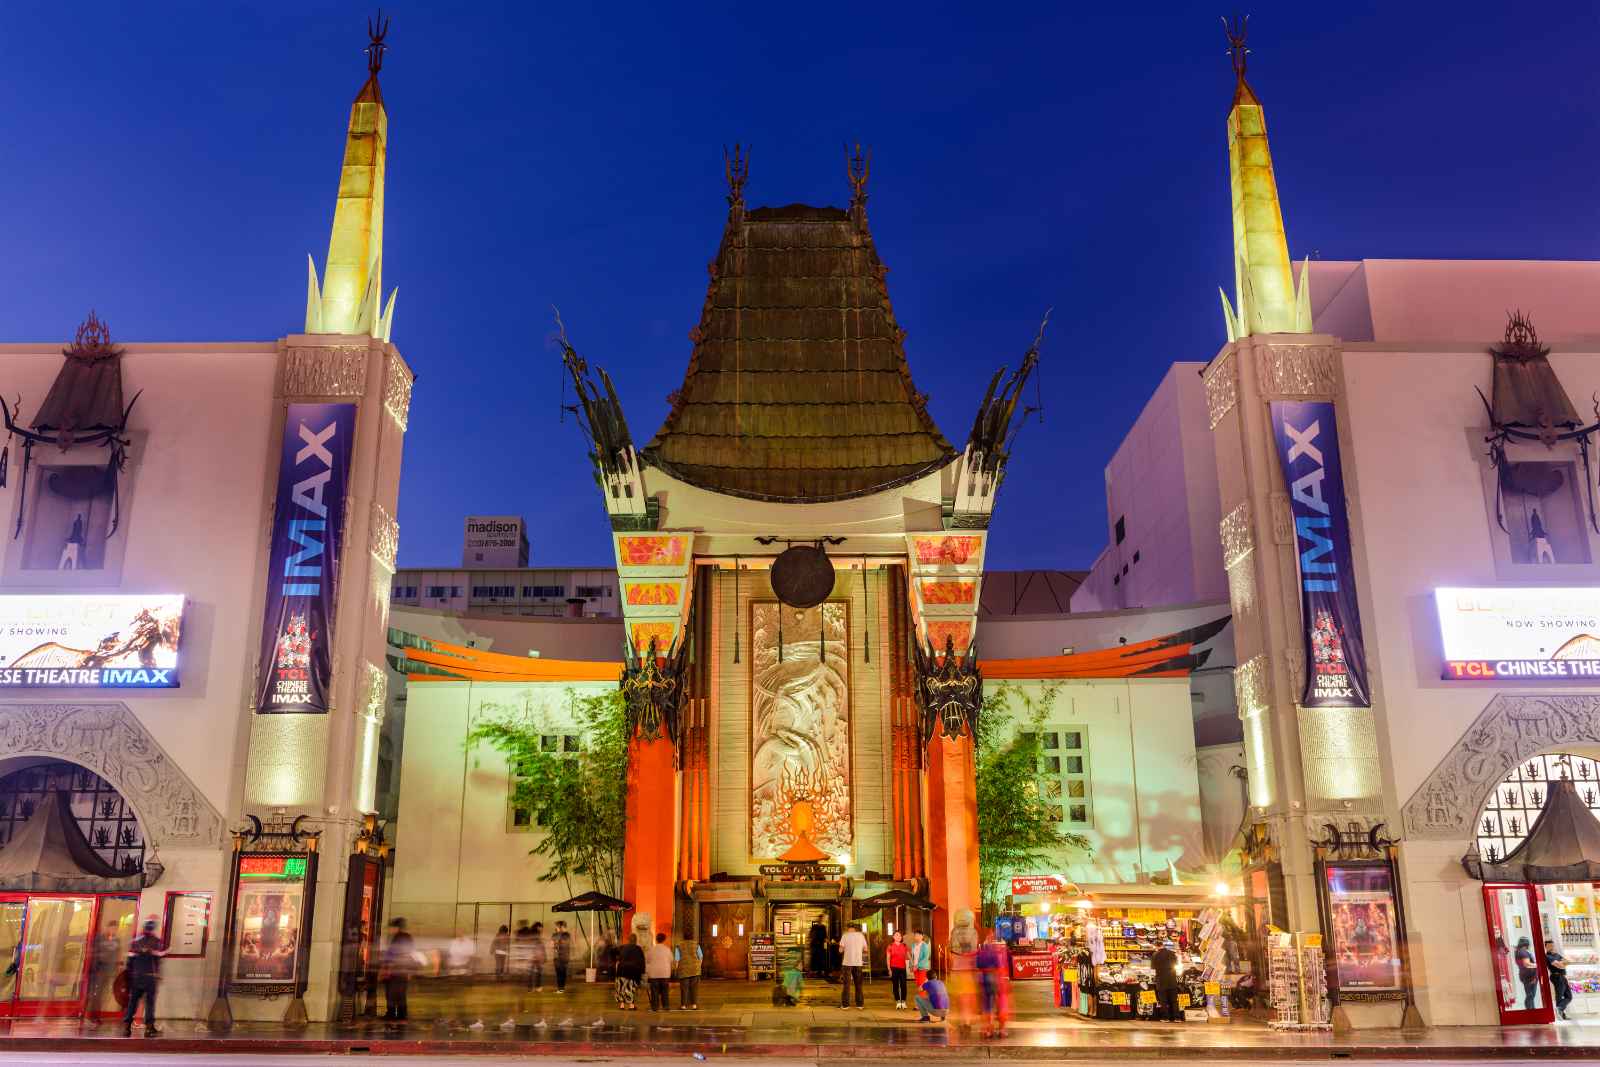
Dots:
pixel 593 591
pixel 493 592
pixel 1136 557
pixel 107 822
pixel 1064 773
pixel 521 818
pixel 455 590
pixel 405 592
pixel 438 592
pixel 544 590
pixel 1121 530
pixel 1511 809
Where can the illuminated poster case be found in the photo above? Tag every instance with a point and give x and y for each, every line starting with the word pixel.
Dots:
pixel 269 909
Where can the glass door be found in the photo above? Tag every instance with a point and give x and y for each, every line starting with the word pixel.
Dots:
pixel 54 963
pixel 13 910
pixel 1516 948
pixel 108 957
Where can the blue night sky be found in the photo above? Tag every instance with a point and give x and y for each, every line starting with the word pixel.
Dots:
pixel 171 166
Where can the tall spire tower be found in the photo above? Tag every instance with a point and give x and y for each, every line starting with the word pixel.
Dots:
pixel 1265 295
pixel 352 284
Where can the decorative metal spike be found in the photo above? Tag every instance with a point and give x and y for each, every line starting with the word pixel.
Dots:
pixel 736 609
pixel 866 622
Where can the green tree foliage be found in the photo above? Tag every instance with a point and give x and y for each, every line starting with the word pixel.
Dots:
pixel 1017 831
pixel 577 800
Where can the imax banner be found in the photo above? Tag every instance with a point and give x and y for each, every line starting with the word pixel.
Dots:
pixel 307 525
pixel 1336 659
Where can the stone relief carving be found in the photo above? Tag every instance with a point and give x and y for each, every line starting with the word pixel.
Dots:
pixel 111 741
pixel 1222 389
pixel 397 379
pixel 375 688
pixel 1511 728
pixel 1297 370
pixel 1252 688
pixel 385 536
pixel 1242 590
pixel 1296 657
pixel 1282 520
pixel 333 371
pixel 1237 538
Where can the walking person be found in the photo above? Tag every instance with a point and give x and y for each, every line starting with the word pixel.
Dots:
pixel 688 956
pixel 500 949
pixel 898 956
pixel 1560 987
pixel 399 960
pixel 630 970
pixel 994 994
pixel 852 958
pixel 536 958
pixel 105 963
pixel 144 973
pixel 1165 964
pixel 561 953
pixel 658 969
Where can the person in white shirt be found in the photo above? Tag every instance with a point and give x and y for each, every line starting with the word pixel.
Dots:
pixel 853 957
pixel 658 969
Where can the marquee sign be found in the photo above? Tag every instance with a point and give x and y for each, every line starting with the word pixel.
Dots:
pixel 95 642
pixel 1307 441
pixel 307 537
pixel 1524 634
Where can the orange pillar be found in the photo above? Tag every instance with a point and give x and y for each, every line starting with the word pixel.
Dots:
pixel 952 829
pixel 648 858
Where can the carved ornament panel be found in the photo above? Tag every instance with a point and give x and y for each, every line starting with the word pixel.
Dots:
pixel 1222 389
pixel 397 381
pixel 1237 538
pixel 1252 686
pixel 385 536
pixel 110 740
pixel 1297 370
pixel 333 371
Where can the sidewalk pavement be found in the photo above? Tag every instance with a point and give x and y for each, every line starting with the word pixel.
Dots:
pixel 485 1018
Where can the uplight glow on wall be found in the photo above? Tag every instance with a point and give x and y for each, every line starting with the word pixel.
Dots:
pixel 1530 635
pixel 94 642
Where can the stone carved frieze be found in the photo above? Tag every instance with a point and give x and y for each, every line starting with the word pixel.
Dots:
pixel 1297 371
pixel 1510 729
pixel 385 536
pixel 1242 590
pixel 1237 538
pixel 1252 686
pixel 397 380
pixel 1282 520
pixel 339 370
pixel 1222 389
pixel 1295 655
pixel 110 740
pixel 375 691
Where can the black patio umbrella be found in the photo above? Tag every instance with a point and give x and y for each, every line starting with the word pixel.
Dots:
pixel 594 900
pixel 894 898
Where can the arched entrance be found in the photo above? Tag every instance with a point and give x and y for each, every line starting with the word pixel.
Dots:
pixel 1536 847
pixel 71 868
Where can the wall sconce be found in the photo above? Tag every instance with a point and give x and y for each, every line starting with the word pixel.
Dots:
pixel 713 929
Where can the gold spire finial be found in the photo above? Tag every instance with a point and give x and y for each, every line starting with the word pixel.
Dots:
pixel 857 168
pixel 1236 28
pixel 736 168
pixel 377 30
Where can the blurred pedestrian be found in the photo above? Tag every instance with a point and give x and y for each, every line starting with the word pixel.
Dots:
pixel 500 949
pixel 961 971
pixel 658 969
pixel 921 959
pixel 399 961
pixel 898 957
pixel 1165 963
pixel 561 953
pixel 630 969
pixel 522 951
pixel 817 948
pixel 144 973
pixel 536 958
pixel 105 963
pixel 852 958
pixel 994 990
pixel 687 955
pixel 458 957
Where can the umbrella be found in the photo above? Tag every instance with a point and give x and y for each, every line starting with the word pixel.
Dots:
pixel 894 898
pixel 594 900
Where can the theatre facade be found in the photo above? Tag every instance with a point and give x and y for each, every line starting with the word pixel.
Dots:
pixel 194 581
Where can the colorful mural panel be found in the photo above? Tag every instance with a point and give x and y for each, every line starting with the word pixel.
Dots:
pixel 939 549
pixel 800 790
pixel 949 591
pixel 958 632
pixel 651 594
pixel 652 550
pixel 642 632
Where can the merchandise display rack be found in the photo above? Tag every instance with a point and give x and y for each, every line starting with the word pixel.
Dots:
pixel 1299 986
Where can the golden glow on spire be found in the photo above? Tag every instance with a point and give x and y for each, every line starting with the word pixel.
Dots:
pixel 1265 296
pixel 352 283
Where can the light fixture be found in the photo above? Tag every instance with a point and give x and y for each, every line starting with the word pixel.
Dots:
pixel 741 929
pixel 842 859
pixel 1044 907
pixel 891 929
pixel 713 929
pixel 1221 889
pixel 1084 905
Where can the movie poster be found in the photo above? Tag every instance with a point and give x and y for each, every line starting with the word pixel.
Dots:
pixel 1366 951
pixel 1336 658
pixel 307 531
pixel 268 946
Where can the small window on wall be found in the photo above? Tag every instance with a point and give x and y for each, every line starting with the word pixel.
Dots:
pixel 1542 515
pixel 1064 774
pixel 521 818
pixel 69 518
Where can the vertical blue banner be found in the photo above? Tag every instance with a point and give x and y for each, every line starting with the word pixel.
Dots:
pixel 1336 657
pixel 307 530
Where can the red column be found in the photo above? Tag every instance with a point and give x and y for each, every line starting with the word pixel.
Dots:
pixel 648 858
pixel 952 829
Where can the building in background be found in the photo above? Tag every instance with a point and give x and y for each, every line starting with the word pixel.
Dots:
pixel 528 591
pixel 494 542
pixel 187 698
pixel 1161 507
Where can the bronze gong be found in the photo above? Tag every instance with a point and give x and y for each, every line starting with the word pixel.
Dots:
pixel 802 576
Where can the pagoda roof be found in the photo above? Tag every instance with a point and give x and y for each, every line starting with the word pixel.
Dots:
pixel 797 387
